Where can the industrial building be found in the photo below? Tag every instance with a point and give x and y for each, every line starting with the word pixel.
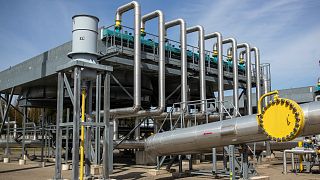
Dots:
pixel 117 92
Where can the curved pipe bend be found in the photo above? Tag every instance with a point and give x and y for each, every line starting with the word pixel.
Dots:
pixel 248 75
pixel 184 71
pixel 258 74
pixel 202 63
pixel 218 36
pixel 234 52
pixel 137 59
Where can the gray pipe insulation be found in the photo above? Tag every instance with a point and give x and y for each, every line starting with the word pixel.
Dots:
pixel 137 59
pixel 237 130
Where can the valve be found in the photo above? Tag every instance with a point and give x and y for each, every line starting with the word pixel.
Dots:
pixel 229 55
pixel 143 33
pixel 118 25
pixel 281 119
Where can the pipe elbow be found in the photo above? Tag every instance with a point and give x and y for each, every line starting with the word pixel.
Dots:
pixel 136 108
pixel 127 7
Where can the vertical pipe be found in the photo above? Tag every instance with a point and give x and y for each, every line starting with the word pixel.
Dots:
pixel 137 57
pixel 76 115
pixel 218 36
pixel 184 72
pixel 258 77
pixel 83 106
pixel 115 129
pixel 248 76
pixel 235 73
pixel 300 144
pixel 202 64
pixel 137 130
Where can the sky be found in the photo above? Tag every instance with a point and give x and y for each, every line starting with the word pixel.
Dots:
pixel 287 32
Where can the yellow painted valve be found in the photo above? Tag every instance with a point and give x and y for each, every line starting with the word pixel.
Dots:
pixel 282 119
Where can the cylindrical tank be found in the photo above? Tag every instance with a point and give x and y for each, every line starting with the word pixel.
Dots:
pixel 84 38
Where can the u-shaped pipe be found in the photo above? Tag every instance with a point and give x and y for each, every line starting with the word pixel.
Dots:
pixel 220 69
pixel 248 75
pixel 258 74
pixel 234 52
pixel 202 63
pixel 137 58
pixel 161 64
pixel 184 72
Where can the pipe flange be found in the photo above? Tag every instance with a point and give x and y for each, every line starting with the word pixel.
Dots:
pixel 281 120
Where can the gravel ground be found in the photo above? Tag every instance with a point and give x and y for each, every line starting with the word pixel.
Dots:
pixel 31 171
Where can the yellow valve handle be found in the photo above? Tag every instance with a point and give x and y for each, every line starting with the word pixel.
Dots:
pixel 282 119
pixel 264 96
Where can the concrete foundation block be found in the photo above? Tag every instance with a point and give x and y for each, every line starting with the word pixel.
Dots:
pixel 260 178
pixel 155 172
pixel 65 167
pixel 22 162
pixel 95 170
pixel 42 164
pixel 195 161
pixel 6 160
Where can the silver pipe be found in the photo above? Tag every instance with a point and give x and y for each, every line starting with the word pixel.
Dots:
pixel 115 129
pixel 237 130
pixel 248 75
pixel 162 62
pixel 220 69
pixel 235 73
pixel 202 64
pixel 258 79
pixel 137 58
pixel 184 71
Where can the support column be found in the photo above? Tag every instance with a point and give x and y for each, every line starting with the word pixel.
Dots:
pixel 59 120
pixel 214 160
pixel 245 161
pixel 106 108
pixel 98 108
pixel 87 147
pixel 25 113
pixel 42 136
pixel 232 162
pixel 67 137
pixel 76 119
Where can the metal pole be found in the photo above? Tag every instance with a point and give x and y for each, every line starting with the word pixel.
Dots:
pixel 214 160
pixel 245 162
pixel 106 110
pixel 87 147
pixel 98 108
pixel 76 118
pixel 67 137
pixel 284 162
pixel 25 111
pixel 60 96
pixel 232 162
pixel 42 134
